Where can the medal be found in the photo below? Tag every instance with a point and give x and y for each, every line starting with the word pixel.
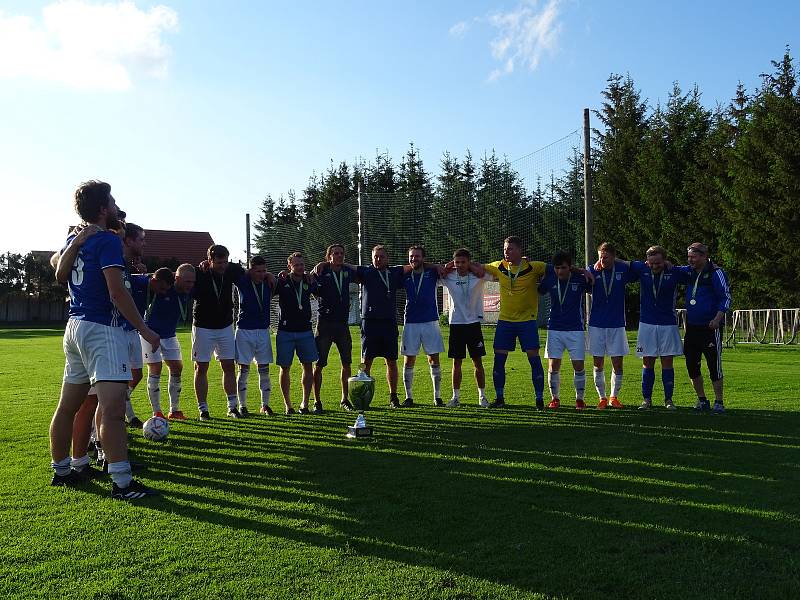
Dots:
pixel 418 286
pixel 259 297
pixel 217 290
pixel 298 291
pixel 692 301
pixel 181 307
pixel 608 286
pixel 385 281
pixel 560 297
pixel 513 276
pixel 694 290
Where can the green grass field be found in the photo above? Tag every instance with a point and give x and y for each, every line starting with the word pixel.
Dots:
pixel 443 503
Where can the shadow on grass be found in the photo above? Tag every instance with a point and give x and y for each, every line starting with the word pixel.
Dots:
pixel 25 333
pixel 582 505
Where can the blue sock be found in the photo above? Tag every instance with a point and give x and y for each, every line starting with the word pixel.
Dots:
pixel 537 375
pixel 648 382
pixel 499 373
pixel 668 379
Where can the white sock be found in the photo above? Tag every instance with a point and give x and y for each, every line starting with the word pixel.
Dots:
pixel 579 382
pixel 482 393
pixel 554 381
pixel 241 384
pixel 436 378
pixel 232 401
pixel 128 406
pixel 616 383
pixel 600 382
pixel 80 463
pixel 408 380
pixel 455 394
pixel 174 393
pixel 265 384
pixel 154 391
pixel 120 473
pixel 63 466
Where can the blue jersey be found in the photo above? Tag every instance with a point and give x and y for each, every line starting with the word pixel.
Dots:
pixel 608 295
pixel 138 286
pixel 707 292
pixel 89 299
pixel 295 316
pixel 658 294
pixel 566 301
pixel 166 311
pixel 334 294
pixel 379 290
pixel 254 302
pixel 421 296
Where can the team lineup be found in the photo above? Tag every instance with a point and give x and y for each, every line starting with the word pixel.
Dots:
pixel 121 320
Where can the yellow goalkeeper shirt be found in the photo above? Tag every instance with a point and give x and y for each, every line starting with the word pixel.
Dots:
pixel 519 298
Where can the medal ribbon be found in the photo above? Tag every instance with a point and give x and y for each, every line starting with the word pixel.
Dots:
pixel 385 281
pixel 298 291
pixel 694 289
pixel 419 285
pixel 260 297
pixel 514 276
pixel 656 290
pixel 149 308
pixel 338 280
pixel 181 307
pixel 608 286
pixel 560 297
pixel 217 290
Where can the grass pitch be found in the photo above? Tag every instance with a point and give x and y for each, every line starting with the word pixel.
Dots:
pixel 443 503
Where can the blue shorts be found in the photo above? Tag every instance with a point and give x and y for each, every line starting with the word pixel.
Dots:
pixel 286 342
pixel 507 332
pixel 379 338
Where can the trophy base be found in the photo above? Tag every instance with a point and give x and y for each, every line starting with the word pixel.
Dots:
pixel 359 432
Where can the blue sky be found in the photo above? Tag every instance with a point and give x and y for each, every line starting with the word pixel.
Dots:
pixel 193 111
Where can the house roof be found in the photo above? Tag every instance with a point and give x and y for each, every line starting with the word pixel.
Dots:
pixel 185 246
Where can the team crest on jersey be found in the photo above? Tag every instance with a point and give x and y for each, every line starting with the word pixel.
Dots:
pixel 305 286
pixel 574 287
pixel 619 276
pixel 346 274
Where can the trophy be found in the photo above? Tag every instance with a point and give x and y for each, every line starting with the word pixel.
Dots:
pixel 360 390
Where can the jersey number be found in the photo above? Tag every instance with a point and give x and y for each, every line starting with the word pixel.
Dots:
pixel 77 272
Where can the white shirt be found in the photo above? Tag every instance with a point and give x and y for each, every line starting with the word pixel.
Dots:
pixel 466 297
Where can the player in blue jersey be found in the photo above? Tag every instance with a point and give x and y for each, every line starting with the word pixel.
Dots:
pixel 334 278
pixel 421 325
pixel 294 329
pixel 567 291
pixel 379 285
pixel 94 345
pixel 165 310
pixel 607 321
pixel 708 298
pixel 252 334
pixel 658 335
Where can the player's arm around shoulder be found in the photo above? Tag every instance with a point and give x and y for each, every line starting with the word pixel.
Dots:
pixel 493 268
pixel 67 258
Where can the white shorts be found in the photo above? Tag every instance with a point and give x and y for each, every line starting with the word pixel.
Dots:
pixel 573 342
pixel 253 344
pixel 608 341
pixel 428 335
pixel 219 341
pixel 658 340
pixel 134 349
pixel 169 349
pixel 95 352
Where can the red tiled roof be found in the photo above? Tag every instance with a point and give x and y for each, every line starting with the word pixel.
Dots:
pixel 185 246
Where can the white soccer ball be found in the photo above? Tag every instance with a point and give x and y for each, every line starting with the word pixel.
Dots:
pixel 156 429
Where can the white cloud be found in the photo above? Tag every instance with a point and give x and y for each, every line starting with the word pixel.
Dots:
pixel 459 29
pixel 87 45
pixel 524 35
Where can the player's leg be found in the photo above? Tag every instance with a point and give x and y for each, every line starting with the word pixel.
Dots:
pixel 693 343
pixel 174 385
pixel 616 381
pixel 579 382
pixel 648 381
pixel 242 375
pixel 344 344
pixel 136 364
pixel 307 354
pixel 617 348
pixel 284 347
pixel 457 351
pixel 410 343
pixel 323 340
pixel 154 385
pixel 713 353
pixel 554 379
pixel 81 435
pixel 477 350
pixel 226 355
pixel 455 380
pixel 529 341
pixel 505 341
pixel 436 378
pixel 597 348
pixel 306 381
pixel 668 380
pixel 70 401
pixel 433 345
pixel 202 348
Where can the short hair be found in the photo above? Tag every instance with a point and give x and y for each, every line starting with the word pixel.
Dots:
pixel 379 247
pixel 607 247
pixel 513 239
pixel 417 247
pixel 562 257
pixel 292 256
pixel 132 231
pixel 462 252
pixel 329 249
pixel 164 274
pixel 184 268
pixel 90 197
pixel 698 247
pixel 653 250
pixel 257 261
pixel 217 251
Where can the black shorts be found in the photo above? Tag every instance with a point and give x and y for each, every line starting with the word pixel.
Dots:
pixel 702 341
pixel 465 338
pixel 379 338
pixel 329 333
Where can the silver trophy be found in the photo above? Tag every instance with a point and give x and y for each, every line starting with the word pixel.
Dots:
pixel 360 390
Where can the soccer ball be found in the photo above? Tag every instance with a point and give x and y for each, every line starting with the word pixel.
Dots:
pixel 156 429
